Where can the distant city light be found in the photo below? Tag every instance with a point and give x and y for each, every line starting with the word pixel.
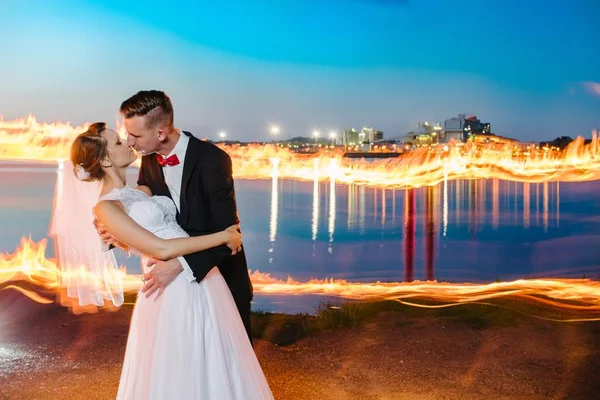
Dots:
pixel 274 130
pixel 222 134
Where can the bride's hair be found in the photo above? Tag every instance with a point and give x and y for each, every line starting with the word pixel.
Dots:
pixel 88 150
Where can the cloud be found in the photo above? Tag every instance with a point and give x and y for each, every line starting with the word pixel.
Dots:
pixel 592 87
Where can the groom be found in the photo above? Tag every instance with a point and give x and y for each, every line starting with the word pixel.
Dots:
pixel 197 176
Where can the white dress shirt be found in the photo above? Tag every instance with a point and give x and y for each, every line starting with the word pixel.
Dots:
pixel 173 175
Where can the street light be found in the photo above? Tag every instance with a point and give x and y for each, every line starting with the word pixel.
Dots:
pixel 222 135
pixel 316 135
pixel 274 130
pixel 333 137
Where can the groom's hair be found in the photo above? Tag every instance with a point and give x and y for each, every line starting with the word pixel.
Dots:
pixel 152 103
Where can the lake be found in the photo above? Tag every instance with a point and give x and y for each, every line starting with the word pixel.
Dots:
pixel 457 231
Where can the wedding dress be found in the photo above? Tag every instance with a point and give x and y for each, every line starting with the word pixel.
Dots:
pixel 189 343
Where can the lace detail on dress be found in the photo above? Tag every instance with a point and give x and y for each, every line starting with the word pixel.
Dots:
pixel 156 214
pixel 126 195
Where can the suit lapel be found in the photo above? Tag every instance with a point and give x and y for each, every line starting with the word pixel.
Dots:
pixel 191 155
pixel 158 177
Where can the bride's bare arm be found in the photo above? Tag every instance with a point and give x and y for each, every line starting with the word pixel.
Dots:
pixel 109 237
pixel 124 229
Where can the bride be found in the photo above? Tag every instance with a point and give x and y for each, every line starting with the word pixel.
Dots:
pixel 187 342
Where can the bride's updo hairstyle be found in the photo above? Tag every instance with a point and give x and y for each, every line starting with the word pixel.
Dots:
pixel 87 152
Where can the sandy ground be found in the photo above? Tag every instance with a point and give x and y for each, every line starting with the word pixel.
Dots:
pixel 48 353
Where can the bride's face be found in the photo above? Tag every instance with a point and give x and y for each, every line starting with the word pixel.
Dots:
pixel 119 153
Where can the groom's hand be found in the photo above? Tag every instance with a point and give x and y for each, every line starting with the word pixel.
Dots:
pixel 106 236
pixel 163 273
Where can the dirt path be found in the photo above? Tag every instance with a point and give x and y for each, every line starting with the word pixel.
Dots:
pixel 47 353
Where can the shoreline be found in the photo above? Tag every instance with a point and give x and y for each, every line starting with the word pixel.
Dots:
pixel 566 296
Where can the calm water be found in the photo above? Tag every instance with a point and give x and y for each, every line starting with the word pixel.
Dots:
pixel 457 231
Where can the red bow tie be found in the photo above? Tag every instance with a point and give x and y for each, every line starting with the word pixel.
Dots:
pixel 171 160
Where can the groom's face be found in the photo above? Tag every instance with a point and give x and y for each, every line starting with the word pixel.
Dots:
pixel 139 137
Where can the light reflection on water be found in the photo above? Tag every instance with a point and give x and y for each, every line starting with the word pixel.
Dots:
pixel 457 231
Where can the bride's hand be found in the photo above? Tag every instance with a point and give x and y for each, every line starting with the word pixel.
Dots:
pixel 234 239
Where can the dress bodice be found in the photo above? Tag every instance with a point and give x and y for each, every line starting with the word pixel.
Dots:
pixel 156 214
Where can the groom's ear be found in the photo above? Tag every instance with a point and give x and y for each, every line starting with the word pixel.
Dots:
pixel 162 135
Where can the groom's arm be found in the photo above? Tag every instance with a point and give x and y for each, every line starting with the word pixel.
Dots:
pixel 220 189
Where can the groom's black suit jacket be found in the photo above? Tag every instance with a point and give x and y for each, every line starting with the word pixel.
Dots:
pixel 207 205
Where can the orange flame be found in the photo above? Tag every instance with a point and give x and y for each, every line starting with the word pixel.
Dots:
pixel 27 139
pixel 30 272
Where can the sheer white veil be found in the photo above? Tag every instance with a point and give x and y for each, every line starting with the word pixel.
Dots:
pixel 89 273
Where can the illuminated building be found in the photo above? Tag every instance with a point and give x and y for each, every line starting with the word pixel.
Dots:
pixel 425 134
pixel 461 128
pixel 361 139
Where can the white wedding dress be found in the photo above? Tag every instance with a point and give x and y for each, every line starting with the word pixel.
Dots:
pixel 190 343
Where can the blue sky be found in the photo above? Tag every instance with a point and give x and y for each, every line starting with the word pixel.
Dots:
pixel 239 66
